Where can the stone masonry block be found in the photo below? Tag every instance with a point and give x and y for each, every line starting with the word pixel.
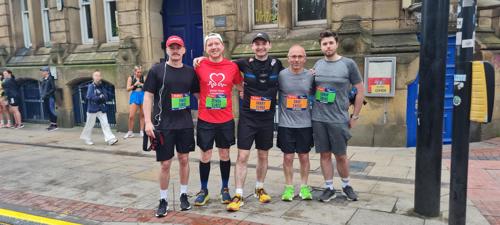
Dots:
pixel 129 18
pixel 386 9
pixel 214 8
pixel 343 9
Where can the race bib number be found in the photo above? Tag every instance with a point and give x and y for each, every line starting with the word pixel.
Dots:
pixel 296 102
pixel 216 101
pixel 260 104
pixel 180 101
pixel 325 95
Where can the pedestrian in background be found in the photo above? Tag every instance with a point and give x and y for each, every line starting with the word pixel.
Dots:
pixel 47 93
pixel 96 108
pixel 135 85
pixel 4 112
pixel 11 91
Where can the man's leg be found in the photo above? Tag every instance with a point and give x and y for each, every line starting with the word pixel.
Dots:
pixel 288 167
pixel 184 179
pixel 183 171
pixel 343 169
pixel 261 170
pixel 164 178
pixel 305 166
pixel 225 171
pixel 240 172
pixel 109 137
pixel 327 170
pixel 52 111
pixel 204 167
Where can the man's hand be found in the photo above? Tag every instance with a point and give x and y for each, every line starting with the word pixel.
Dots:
pixel 197 60
pixel 150 129
pixel 352 123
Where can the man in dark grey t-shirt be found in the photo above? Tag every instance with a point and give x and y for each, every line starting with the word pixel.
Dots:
pixel 295 131
pixel 335 75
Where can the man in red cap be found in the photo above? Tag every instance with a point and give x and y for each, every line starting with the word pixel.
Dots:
pixel 169 122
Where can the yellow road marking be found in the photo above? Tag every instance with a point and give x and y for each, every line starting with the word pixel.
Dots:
pixel 33 218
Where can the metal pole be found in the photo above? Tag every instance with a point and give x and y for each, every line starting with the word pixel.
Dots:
pixel 461 112
pixel 430 106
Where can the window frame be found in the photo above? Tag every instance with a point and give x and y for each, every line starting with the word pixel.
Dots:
pixel 45 23
pixel 83 22
pixel 251 5
pixel 107 19
pixel 25 14
pixel 295 12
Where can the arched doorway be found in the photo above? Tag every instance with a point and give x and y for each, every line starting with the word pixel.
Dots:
pixel 80 102
pixel 31 104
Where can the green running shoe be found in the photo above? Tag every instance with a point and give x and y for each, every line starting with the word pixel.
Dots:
pixel 288 193
pixel 305 192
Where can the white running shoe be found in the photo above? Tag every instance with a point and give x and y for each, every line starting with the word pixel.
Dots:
pixel 128 135
pixel 89 142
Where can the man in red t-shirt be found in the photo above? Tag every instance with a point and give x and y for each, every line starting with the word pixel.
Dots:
pixel 217 77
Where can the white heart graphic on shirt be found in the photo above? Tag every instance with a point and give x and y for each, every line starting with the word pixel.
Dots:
pixel 216 79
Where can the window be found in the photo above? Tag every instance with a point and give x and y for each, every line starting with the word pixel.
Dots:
pixel 26 24
pixel 309 12
pixel 111 23
pixel 86 22
pixel 45 22
pixel 265 13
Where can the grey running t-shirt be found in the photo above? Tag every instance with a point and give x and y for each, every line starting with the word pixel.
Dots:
pixel 294 93
pixel 333 82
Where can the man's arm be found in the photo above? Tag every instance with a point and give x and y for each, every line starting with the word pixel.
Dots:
pixel 147 106
pixel 358 103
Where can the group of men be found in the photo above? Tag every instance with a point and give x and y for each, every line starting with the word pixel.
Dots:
pixel 313 110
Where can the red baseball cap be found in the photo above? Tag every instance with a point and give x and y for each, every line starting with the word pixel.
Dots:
pixel 174 40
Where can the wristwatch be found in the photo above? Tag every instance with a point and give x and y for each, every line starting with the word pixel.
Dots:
pixel 354 117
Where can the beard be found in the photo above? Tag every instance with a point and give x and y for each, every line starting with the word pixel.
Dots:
pixel 329 53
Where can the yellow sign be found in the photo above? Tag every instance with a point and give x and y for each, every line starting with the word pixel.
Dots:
pixel 381 89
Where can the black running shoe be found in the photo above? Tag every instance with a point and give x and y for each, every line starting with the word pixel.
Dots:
pixel 327 195
pixel 184 202
pixel 349 193
pixel 52 127
pixel 162 208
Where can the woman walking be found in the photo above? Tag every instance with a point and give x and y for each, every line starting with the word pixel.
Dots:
pixel 96 108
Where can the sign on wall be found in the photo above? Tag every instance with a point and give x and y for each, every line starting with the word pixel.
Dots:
pixel 380 76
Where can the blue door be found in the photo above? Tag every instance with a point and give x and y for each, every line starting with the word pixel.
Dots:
pixel 184 19
pixel 31 107
pixel 412 98
pixel 80 103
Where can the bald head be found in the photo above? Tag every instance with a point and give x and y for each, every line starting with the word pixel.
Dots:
pixel 296 48
pixel 296 58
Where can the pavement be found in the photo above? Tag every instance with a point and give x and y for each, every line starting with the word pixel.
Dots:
pixel 55 176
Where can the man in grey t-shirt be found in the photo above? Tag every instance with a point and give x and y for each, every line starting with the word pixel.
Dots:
pixel 295 131
pixel 335 75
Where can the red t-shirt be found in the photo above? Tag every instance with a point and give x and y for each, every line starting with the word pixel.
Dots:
pixel 216 85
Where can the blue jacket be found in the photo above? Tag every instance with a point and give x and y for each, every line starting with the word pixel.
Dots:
pixel 96 98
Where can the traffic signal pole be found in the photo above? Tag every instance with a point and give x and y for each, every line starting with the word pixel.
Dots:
pixel 430 106
pixel 466 22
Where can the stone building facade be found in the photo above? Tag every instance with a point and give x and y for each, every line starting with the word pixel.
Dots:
pixel 76 37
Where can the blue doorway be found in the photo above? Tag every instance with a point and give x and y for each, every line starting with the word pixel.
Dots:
pixel 412 101
pixel 31 107
pixel 184 19
pixel 80 103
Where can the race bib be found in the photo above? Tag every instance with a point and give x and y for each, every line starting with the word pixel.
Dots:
pixel 216 101
pixel 260 104
pixel 296 102
pixel 325 95
pixel 180 101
